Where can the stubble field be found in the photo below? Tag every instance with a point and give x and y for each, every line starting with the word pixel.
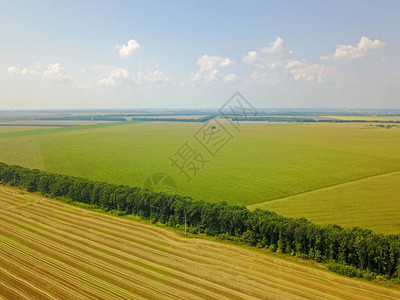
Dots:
pixel 50 250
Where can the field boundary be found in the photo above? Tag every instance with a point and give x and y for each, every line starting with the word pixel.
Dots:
pixel 257 205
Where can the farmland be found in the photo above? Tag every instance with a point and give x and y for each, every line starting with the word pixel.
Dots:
pixel 376 205
pixel 262 162
pixel 365 118
pixel 4 129
pixel 52 250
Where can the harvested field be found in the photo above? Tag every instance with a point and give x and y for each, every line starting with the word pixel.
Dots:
pixel 50 250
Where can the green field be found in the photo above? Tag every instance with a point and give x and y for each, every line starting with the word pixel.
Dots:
pixel 371 203
pixel 262 162
pixel 366 118
pixel 18 128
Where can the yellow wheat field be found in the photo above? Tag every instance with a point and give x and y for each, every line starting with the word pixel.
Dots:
pixel 50 250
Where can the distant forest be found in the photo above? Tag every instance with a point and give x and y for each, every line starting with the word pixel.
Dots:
pixel 274 119
pixel 202 119
pixel 123 119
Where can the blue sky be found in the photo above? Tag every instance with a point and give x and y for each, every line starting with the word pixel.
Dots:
pixel 196 54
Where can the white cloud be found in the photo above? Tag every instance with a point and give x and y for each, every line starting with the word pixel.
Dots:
pixel 55 72
pixel 274 56
pixel 151 77
pixel 230 78
pixel 226 63
pixel 126 51
pixel 32 70
pixel 13 70
pixel 251 58
pixel 364 48
pixel 117 77
pixel 294 64
pixel 279 60
pixel 209 69
pixel 313 73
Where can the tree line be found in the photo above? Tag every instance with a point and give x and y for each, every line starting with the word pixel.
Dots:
pixel 202 119
pixel 343 249
pixel 303 119
pixel 83 118
pixel 357 121
pixel 273 119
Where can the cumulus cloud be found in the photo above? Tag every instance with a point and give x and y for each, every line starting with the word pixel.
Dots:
pixel 294 64
pixel 230 78
pixel 276 62
pixel 313 73
pixel 209 69
pixel 117 77
pixel 55 72
pixel 364 48
pixel 273 56
pixel 13 70
pixel 32 70
pixel 125 51
pixel 151 77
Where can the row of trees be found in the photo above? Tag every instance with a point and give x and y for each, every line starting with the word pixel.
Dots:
pixel 123 119
pixel 202 119
pixel 83 118
pixel 303 119
pixel 357 121
pixel 351 271
pixel 166 114
pixel 355 247
pixel 274 119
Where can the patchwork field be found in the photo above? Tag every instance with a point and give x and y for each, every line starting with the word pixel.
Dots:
pixel 50 250
pixel 262 162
